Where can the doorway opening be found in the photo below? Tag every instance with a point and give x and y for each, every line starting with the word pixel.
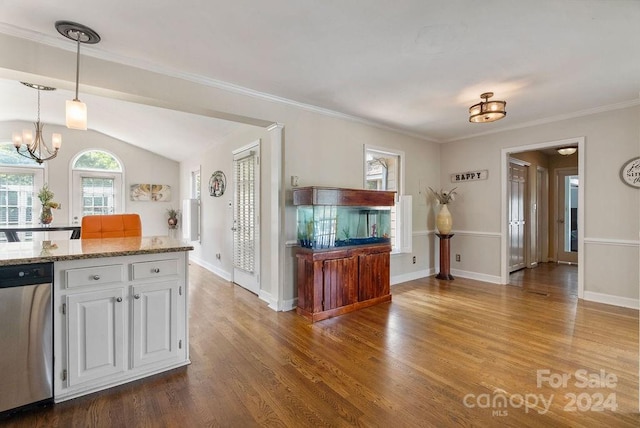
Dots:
pixel 543 216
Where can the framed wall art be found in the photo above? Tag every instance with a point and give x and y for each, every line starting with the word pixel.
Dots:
pixel 150 192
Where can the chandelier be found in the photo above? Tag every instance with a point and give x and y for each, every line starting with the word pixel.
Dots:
pixel 487 111
pixel 36 148
pixel 76 110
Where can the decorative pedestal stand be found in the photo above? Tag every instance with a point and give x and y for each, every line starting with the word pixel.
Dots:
pixel 445 262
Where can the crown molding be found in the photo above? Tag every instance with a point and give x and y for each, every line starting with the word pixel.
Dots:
pixel 558 118
pixel 95 52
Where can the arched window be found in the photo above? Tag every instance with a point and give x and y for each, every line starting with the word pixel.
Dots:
pixel 20 180
pixel 96 184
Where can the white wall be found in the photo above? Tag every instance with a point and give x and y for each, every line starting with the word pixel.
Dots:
pixel 612 209
pixel 216 212
pixel 140 166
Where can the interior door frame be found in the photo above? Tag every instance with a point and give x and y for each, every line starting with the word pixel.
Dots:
pixel 542 213
pixel 504 162
pixel 557 209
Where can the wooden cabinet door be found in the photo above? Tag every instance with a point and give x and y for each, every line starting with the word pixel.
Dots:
pixel 340 282
pixel 155 322
pixel 374 277
pixel 96 336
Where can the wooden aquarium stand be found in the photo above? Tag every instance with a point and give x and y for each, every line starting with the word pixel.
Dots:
pixel 339 279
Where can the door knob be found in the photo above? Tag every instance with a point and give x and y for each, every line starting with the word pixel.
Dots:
pixel 119 299
pixel 136 296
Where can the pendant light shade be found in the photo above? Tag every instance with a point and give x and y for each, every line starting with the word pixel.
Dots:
pixel 487 111
pixel 76 110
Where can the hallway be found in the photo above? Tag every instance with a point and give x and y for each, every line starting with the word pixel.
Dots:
pixel 551 279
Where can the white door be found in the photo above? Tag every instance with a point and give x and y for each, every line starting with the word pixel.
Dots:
pixel 567 220
pixel 96 335
pixel 155 322
pixel 246 217
pixel 517 185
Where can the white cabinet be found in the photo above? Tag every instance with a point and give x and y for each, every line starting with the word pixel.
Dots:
pixel 120 319
pixel 96 335
pixel 155 322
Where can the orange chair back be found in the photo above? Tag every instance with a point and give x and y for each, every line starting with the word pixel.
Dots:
pixel 110 226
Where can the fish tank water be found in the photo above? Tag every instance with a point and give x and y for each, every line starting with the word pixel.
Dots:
pixel 331 226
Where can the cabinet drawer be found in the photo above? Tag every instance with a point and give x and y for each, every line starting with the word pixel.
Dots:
pixel 155 269
pixel 96 275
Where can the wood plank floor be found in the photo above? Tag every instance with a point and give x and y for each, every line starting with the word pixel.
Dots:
pixel 458 353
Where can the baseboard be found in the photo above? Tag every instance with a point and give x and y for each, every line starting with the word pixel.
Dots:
pixel 477 276
pixel 405 277
pixel 211 268
pixel 285 305
pixel 610 299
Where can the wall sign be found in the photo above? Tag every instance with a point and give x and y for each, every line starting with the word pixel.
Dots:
pixel 217 184
pixel 630 173
pixel 481 174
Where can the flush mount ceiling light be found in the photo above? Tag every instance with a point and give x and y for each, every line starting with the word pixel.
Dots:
pixel 76 110
pixel 36 149
pixel 566 151
pixel 487 111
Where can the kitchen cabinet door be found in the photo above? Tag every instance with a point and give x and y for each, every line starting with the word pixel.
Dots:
pixel 155 322
pixel 96 336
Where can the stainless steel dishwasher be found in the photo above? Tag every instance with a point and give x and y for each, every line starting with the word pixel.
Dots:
pixel 26 335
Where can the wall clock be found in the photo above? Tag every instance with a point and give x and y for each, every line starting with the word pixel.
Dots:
pixel 217 184
pixel 630 173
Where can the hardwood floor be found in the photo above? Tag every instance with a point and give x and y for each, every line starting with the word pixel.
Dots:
pixel 442 353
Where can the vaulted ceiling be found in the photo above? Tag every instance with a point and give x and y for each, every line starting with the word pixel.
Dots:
pixel 415 66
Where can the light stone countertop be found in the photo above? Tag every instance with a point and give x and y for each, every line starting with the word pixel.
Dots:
pixel 13 253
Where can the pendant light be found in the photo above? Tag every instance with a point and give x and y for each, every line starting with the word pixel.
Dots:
pixel 76 110
pixel 36 148
pixel 487 111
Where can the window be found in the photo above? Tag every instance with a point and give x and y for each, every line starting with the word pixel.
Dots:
pixel 96 184
pixel 20 180
pixel 384 170
pixel 195 184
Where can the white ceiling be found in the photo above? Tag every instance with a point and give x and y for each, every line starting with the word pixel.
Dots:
pixel 155 129
pixel 415 66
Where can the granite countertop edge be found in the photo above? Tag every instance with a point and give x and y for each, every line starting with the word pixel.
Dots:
pixel 67 257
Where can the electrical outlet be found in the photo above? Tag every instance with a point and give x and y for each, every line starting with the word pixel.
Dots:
pixel 457 257
pixel 414 260
pixel 218 256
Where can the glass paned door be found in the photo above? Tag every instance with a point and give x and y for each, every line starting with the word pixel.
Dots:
pixel 246 218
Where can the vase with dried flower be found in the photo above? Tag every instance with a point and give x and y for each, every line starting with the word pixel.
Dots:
pixel 444 221
pixel 45 195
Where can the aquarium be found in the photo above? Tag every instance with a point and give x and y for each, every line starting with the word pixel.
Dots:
pixel 330 226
